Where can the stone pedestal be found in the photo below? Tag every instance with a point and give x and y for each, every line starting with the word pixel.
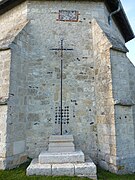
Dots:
pixel 61 143
pixel 62 159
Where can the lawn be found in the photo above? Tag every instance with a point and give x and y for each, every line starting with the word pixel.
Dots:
pixel 19 174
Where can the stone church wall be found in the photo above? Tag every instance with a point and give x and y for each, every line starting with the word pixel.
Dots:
pixel 91 90
pixel 5 57
pixel 47 32
pixel 8 119
pixel 17 104
pixel 123 92
pixel 13 102
pixel 105 116
pixel 79 85
pixel 132 87
pixel 114 91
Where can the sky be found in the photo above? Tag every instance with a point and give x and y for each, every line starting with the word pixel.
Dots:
pixel 129 7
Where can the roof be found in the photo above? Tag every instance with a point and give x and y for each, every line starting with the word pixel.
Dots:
pixel 115 41
pixel 10 36
pixel 112 5
pixel 121 20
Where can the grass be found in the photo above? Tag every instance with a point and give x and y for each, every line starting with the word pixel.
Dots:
pixel 105 175
pixel 19 174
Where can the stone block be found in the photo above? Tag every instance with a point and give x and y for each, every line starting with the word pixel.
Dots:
pixel 23 158
pixel 112 168
pixel 61 149
pixel 2 164
pixel 104 165
pixel 61 157
pixel 59 138
pixel 61 144
pixel 63 169
pixel 38 169
pixel 85 169
pixel 18 147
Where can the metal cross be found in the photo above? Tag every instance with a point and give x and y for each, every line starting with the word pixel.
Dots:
pixel 61 49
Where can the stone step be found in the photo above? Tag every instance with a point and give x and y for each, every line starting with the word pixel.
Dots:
pixel 61 149
pixel 61 138
pixel 46 157
pixel 61 144
pixel 86 169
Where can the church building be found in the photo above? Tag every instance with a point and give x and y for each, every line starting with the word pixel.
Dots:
pixel 64 70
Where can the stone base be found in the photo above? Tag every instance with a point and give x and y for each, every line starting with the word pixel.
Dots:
pixel 87 169
pixel 46 157
pixel 61 143
pixel 66 162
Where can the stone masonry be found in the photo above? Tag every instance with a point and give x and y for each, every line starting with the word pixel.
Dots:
pixel 62 159
pixel 98 83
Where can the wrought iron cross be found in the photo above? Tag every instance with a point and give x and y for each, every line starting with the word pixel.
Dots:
pixel 61 49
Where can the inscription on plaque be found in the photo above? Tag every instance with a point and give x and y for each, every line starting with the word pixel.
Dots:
pixel 67 15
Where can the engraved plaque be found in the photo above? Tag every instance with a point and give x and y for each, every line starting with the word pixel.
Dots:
pixel 67 15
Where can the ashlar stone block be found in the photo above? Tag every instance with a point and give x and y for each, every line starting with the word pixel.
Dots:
pixel 39 169
pixel 58 143
pixel 59 138
pixel 18 147
pixel 85 169
pixel 63 169
pixel 61 149
pixel 61 157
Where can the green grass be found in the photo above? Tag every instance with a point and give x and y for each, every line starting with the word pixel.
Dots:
pixel 105 175
pixel 19 174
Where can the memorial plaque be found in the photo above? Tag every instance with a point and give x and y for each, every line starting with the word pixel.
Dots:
pixel 67 15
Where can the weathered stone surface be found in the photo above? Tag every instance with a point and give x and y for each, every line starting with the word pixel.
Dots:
pixel 61 143
pixel 61 149
pixel 63 169
pixel 95 74
pixel 124 102
pixel 18 147
pixel 9 38
pixel 39 169
pixel 116 42
pixel 2 164
pixel 61 157
pixel 66 169
pixel 59 138
pixel 104 165
pixel 85 169
pixel 3 100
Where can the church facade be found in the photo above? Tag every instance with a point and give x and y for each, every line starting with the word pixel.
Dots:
pixel 98 80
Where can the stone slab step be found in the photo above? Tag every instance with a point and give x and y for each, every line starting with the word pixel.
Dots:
pixel 61 144
pixel 86 169
pixel 61 138
pixel 61 149
pixel 46 157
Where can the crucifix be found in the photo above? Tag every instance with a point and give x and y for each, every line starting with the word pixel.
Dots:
pixel 61 49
